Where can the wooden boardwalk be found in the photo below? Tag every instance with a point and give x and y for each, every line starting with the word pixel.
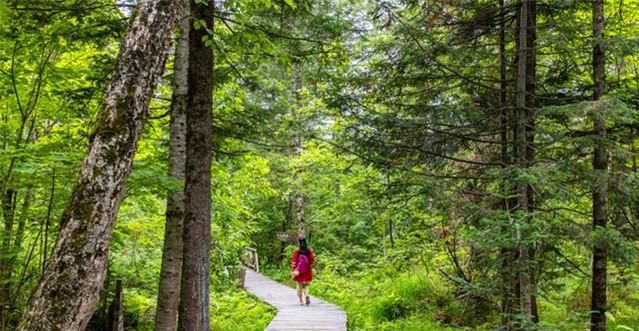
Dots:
pixel 320 315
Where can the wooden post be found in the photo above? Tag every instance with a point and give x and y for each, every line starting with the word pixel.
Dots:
pixel 115 321
pixel 241 277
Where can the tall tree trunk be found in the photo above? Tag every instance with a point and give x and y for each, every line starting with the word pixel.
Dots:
pixel 521 147
pixel 503 93
pixel 68 291
pixel 507 257
pixel 115 318
pixel 8 214
pixel 45 235
pixel 634 210
pixel 194 304
pixel 169 287
pixel 633 148
pixel 600 185
pixel 296 146
pixel 15 250
pixel 298 213
pixel 284 229
pixel 531 105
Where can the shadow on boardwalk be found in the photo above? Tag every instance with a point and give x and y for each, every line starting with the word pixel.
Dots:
pixel 320 315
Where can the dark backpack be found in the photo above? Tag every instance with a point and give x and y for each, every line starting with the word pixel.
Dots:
pixel 302 264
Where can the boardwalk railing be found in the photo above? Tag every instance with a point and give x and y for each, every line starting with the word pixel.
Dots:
pixel 250 259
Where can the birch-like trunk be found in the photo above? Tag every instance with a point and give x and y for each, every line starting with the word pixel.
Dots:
pixel 68 292
pixel 169 288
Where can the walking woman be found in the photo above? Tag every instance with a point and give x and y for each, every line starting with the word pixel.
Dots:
pixel 302 271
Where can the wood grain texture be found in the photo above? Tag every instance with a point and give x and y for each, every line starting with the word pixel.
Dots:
pixel 320 315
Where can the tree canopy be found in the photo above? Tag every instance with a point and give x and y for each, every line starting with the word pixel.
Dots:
pixel 453 164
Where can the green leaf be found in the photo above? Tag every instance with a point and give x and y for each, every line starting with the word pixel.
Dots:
pixel 291 3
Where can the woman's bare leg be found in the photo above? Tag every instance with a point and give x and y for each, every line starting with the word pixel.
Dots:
pixel 300 291
pixel 305 290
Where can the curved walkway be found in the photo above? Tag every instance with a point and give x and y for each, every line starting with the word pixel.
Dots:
pixel 320 315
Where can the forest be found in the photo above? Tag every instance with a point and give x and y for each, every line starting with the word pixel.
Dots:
pixel 453 164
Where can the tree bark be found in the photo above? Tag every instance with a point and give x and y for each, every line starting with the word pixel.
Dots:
pixel 521 147
pixel 45 235
pixel 14 286
pixel 298 213
pixel 507 255
pixel 8 214
pixel 296 145
pixel 68 291
pixel 194 304
pixel 115 319
pixel 169 287
pixel 285 221
pixel 531 111
pixel 600 185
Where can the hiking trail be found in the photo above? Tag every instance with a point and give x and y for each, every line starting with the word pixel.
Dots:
pixel 320 315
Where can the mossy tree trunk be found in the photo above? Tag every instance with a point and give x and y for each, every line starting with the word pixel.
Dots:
pixel 68 292
pixel 169 287
pixel 194 292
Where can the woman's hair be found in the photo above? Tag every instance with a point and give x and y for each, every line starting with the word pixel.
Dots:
pixel 303 246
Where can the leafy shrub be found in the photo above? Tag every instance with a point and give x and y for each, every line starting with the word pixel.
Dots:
pixel 234 309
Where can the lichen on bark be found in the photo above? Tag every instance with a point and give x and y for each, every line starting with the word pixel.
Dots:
pixel 68 292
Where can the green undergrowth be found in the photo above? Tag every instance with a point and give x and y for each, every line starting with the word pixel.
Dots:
pixel 383 299
pixel 236 310
pixel 231 310
pixel 376 301
pixel 566 309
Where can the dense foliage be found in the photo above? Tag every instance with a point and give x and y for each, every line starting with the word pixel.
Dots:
pixel 379 129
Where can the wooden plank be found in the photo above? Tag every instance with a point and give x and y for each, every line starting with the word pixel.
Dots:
pixel 320 315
